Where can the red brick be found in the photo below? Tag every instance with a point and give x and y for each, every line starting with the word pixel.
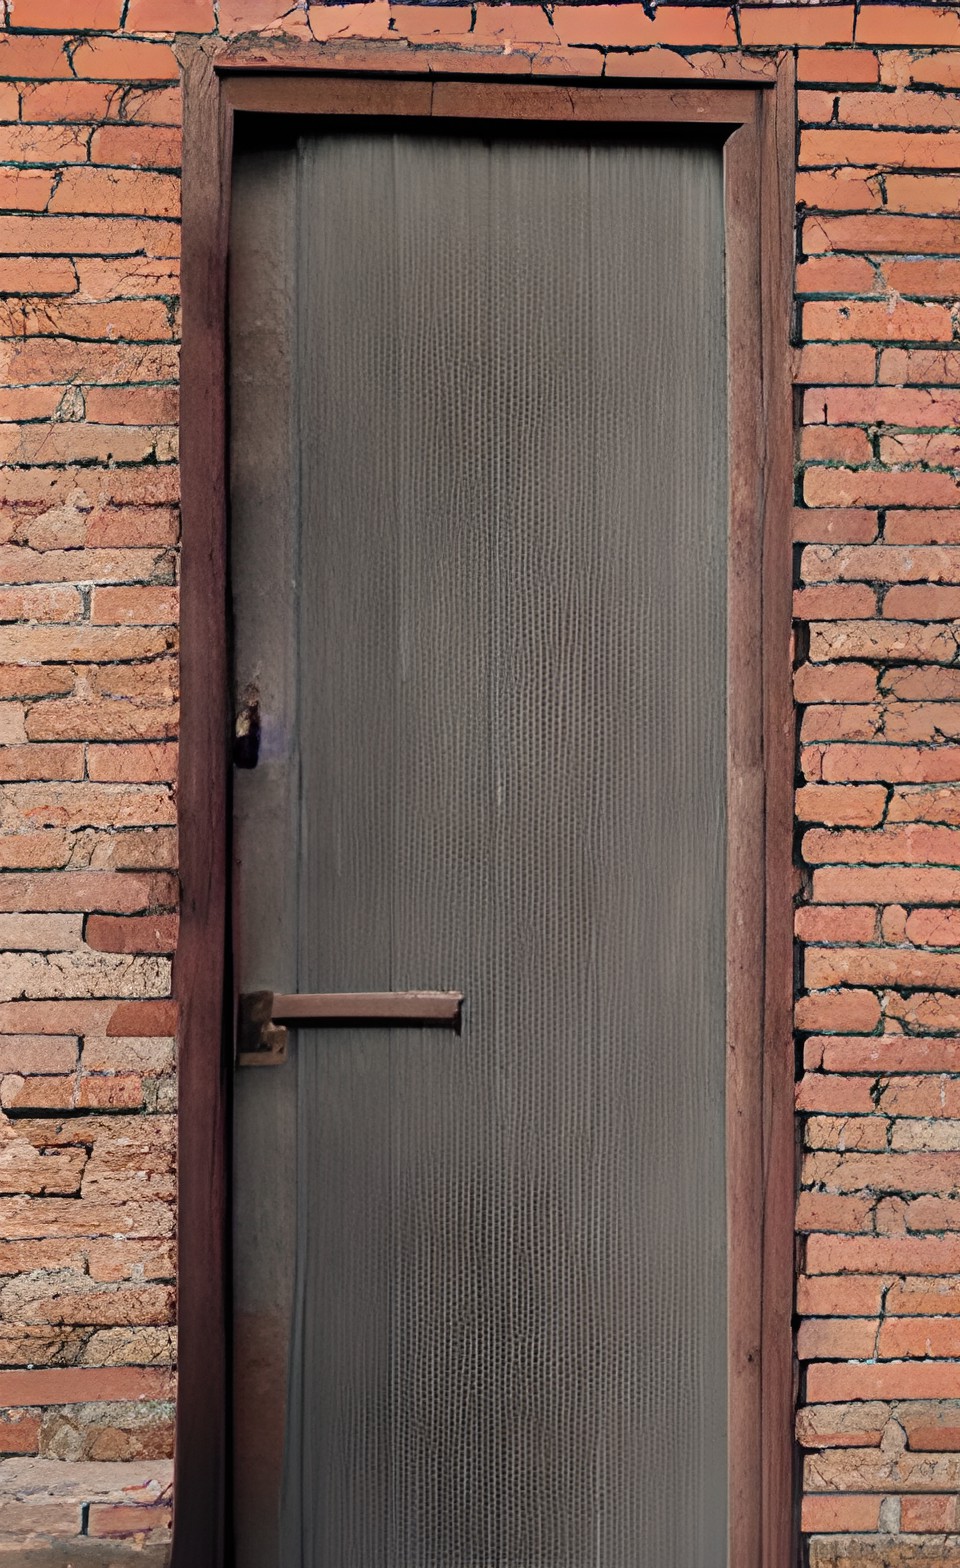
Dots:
pixel 83 102
pixel 883 563
pixel 871 321
pixel 134 606
pixel 242 16
pixel 922 279
pixel 882 1380
pixel 25 190
pixel 841 603
pixel 871 487
pixel 66 15
pixel 65 891
pixel 925 805
pixel 880 232
pixel 40 604
pixel 844 275
pixel 151 764
pixel 117 1521
pixel 143 1018
pixel 797 24
pixel 891 1053
pixel 886 149
pixel 940 1514
pixel 846 1132
pixel 926 1337
pixel 841 804
pixel 170 16
pixel 883 1255
pixel 815 923
pixel 112 1092
pixel 930 194
pixel 895 24
pixel 886 884
pixel 826 1296
pixel 881 405
pixel 41 762
pixel 80 1385
pixel 836 444
pixel 153 106
pixel 905 366
pixel 841 1011
pixel 44 1054
pixel 835 525
pixel 99 721
pixel 30 274
pixel 630 25
pixel 836 364
pixel 133 191
pixel 837 1339
pixel 128 146
pixel 132 405
pixel 837 66
pixel 815 108
pixel 26 58
pixel 837 190
pixel 124 60
pixel 833 722
pixel 933 448
pixel 835 683
pixel 825 1092
pixel 145 934
pixel 831 966
pixel 910 844
pixel 19 1435
pixel 926 603
pixel 934 928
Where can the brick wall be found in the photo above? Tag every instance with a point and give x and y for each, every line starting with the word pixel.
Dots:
pixel 89 105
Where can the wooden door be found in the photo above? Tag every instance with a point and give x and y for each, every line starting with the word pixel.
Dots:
pixel 479 552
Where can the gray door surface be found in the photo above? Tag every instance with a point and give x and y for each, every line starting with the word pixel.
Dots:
pixel 479 544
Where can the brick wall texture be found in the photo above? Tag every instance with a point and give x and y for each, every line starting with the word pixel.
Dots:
pixel 89 243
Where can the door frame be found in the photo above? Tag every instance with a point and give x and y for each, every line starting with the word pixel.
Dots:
pixel 755 101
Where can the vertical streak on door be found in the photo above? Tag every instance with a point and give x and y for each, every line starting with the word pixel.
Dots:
pixel 264 567
pixel 511 1342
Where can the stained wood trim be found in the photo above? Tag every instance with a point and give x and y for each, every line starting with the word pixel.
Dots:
pixel 334 94
pixel 780 1477
pixel 200 980
pixel 759 170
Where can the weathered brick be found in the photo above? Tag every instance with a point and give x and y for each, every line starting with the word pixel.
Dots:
pixel 869 321
pixel 71 1385
pixel 835 683
pixel 126 146
pixel 848 1011
pixel 834 525
pixel 886 884
pixel 837 804
pixel 123 59
pixel 144 934
pixel 815 923
pixel 884 640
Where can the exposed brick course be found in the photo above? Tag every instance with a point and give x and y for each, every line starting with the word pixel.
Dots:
pixel 89 158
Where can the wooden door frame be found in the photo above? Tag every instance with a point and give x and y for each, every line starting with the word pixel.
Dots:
pixel 756 103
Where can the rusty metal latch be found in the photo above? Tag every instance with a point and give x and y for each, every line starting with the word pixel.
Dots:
pixel 263 1016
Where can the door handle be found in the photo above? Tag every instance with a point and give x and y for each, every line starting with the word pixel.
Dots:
pixel 263 1016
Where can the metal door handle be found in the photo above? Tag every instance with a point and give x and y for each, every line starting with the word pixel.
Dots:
pixel 263 1016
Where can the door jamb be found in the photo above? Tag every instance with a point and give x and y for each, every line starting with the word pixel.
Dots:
pixel 758 106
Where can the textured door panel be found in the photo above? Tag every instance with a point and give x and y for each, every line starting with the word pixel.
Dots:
pixel 505 599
